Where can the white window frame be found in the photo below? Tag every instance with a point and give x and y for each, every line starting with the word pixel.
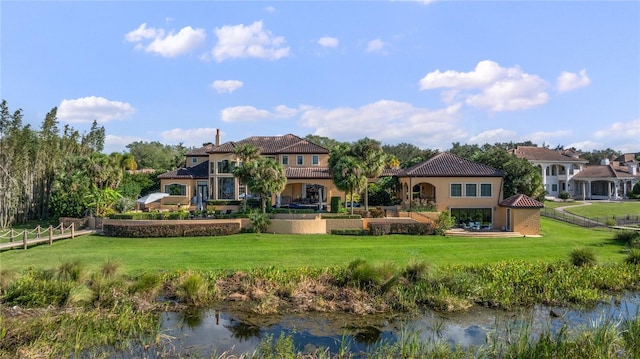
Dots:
pixel 285 160
pixel 451 190
pixel 299 160
pixel 490 189
pixel 466 194
pixel 315 160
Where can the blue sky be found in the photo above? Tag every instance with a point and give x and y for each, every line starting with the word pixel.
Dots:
pixel 427 73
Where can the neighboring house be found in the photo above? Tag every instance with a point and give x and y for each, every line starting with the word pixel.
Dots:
pixel 471 192
pixel 209 172
pixel 611 180
pixel 558 168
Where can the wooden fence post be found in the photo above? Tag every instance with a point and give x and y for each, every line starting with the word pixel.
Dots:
pixel 24 239
pixel 38 231
pixel 61 228
pixel 50 235
pixel 72 230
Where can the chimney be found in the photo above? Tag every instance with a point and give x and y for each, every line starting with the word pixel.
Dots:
pixel 217 137
pixel 604 162
pixel 633 170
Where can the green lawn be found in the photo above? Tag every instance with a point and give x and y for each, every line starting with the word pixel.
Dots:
pixel 246 251
pixel 606 209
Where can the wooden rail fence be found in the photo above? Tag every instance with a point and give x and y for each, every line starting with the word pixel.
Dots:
pixel 38 235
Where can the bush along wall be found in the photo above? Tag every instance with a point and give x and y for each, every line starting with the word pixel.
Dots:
pixel 192 229
pixel 420 229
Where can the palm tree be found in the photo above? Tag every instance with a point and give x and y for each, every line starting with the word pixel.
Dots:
pixel 266 177
pixel 372 158
pixel 245 154
pixel 348 174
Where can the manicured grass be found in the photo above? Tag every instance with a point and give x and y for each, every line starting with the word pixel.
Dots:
pixel 606 209
pixel 245 251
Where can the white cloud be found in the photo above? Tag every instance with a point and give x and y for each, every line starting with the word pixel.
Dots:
pixel 586 145
pixel 189 137
pixel 489 86
pixel 226 86
pixel 493 136
pixel 387 121
pixel 328 41
pixel 376 45
pixel 167 45
pixel 240 41
pixel 568 81
pixel 621 136
pixel 270 9
pixel 552 138
pixel 250 113
pixel 87 109
pixel 114 143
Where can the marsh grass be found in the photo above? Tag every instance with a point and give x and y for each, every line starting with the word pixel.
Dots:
pixel 361 287
pixel 583 256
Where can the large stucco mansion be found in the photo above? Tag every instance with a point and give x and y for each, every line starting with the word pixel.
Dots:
pixel 469 191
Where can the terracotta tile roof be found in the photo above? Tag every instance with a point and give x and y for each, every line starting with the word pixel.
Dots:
pixel 272 145
pixel 521 201
pixel 202 151
pixel 200 171
pixel 543 154
pixel 604 172
pixel 447 164
pixel 627 157
pixel 388 172
pixel 307 172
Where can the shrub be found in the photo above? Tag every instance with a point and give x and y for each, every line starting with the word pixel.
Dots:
pixel 633 257
pixel 415 229
pixel 193 229
pixel 259 221
pixel 349 232
pixel 627 237
pixel 376 212
pixel 192 289
pixel 611 222
pixel 583 256
pixel 564 195
pixel 336 203
pixel 444 223
pixel 415 271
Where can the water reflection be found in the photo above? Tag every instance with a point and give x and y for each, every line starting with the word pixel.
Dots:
pixel 210 332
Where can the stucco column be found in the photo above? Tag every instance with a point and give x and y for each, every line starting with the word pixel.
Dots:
pixel 278 200
pixel 584 191
pixel 544 177
pixel 320 198
pixel 589 182
pixel 303 191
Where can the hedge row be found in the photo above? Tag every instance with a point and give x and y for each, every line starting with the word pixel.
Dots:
pixel 193 229
pixel 420 229
pixel 340 216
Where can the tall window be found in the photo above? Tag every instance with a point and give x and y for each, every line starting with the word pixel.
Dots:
pixel 470 190
pixel 285 160
pixel 315 160
pixel 212 167
pixel 226 188
pixel 485 190
pixel 456 190
pixel 299 160
pixel 226 166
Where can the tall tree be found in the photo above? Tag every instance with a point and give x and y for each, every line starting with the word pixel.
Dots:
pixel 325 142
pixel 267 177
pixel 157 156
pixel 245 154
pixel 408 154
pixel 372 159
pixel 346 170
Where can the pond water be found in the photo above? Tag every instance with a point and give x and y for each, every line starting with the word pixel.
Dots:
pixel 216 331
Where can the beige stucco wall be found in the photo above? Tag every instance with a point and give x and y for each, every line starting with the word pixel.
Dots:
pixel 174 200
pixel 298 226
pixel 526 221
pixel 442 187
pixel 345 224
